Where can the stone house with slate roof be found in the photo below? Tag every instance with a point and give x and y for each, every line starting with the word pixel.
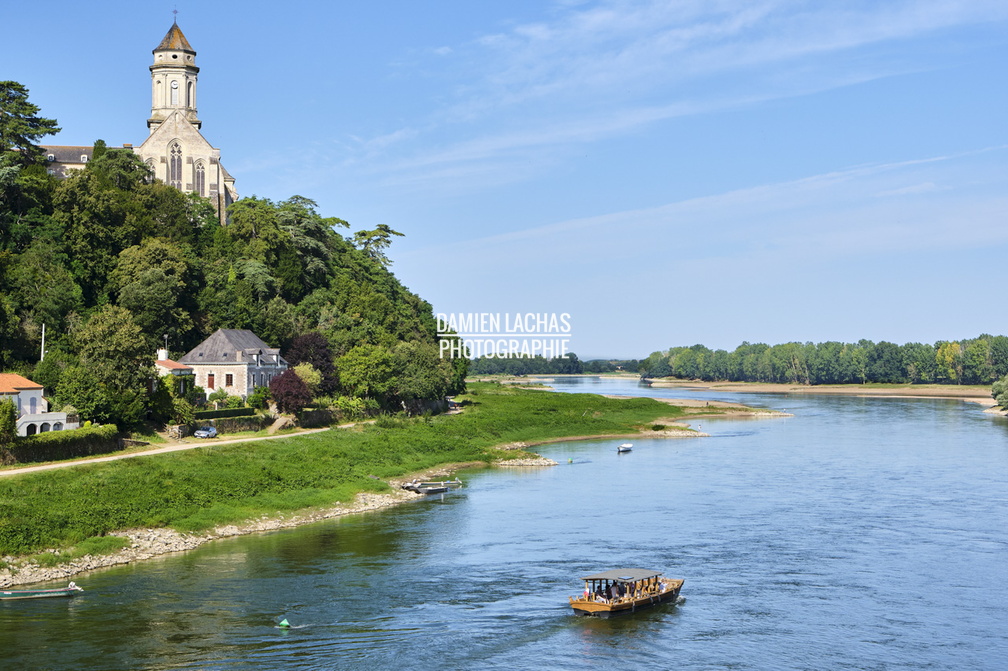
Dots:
pixel 175 150
pixel 235 360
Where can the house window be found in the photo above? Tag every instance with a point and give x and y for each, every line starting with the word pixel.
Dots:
pixel 51 157
pixel 210 381
pixel 228 380
pixel 175 166
pixel 200 179
pixel 83 158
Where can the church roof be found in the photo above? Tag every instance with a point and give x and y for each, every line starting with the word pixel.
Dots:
pixel 175 40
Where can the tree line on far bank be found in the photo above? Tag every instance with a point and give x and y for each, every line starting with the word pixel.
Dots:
pixel 980 360
pixel 539 365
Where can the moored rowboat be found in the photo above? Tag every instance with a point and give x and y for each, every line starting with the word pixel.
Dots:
pixel 624 590
pixel 625 447
pixel 69 590
pixel 432 487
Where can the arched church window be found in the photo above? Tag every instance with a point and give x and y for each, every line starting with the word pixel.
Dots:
pixel 200 180
pixel 175 165
pixel 190 102
pixel 174 93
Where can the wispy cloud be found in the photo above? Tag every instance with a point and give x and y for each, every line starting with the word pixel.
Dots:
pixel 834 214
pixel 601 70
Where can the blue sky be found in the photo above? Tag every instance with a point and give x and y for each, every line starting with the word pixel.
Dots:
pixel 668 173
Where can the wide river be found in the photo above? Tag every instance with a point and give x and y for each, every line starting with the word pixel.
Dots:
pixel 858 534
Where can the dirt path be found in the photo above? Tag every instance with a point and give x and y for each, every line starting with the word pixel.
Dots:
pixel 174 447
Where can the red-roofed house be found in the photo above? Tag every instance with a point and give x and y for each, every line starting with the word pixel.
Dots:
pixel 33 414
pixel 183 376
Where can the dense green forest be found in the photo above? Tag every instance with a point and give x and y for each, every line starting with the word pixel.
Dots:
pixel 980 360
pixel 112 263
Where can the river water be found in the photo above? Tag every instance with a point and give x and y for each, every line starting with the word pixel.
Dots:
pixel 858 534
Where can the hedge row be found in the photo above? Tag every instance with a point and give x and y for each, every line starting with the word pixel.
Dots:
pixel 233 424
pixel 58 445
pixel 227 412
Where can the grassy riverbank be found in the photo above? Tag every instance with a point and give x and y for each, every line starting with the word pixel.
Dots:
pixel 211 486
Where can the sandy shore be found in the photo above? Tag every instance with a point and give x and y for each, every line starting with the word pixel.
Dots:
pixel 971 393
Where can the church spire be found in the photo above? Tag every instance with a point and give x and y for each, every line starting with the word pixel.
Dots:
pixel 174 39
pixel 173 79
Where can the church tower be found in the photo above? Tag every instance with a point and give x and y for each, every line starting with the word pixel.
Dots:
pixel 176 151
pixel 173 79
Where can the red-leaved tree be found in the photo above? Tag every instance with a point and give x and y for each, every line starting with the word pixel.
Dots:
pixel 289 391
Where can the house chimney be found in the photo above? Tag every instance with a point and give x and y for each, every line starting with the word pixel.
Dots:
pixel 162 354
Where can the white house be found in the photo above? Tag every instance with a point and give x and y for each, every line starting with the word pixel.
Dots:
pixel 33 414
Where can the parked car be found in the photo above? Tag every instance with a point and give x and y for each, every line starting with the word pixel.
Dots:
pixel 205 432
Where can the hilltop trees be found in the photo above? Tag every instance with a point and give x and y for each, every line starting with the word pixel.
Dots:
pixel 21 127
pixel 111 262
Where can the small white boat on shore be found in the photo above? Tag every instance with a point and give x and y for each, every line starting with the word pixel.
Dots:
pixel 432 487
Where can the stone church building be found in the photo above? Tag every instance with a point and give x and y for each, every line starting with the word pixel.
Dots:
pixel 175 150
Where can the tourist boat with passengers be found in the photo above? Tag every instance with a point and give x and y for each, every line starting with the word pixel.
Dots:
pixel 624 590
pixel 69 590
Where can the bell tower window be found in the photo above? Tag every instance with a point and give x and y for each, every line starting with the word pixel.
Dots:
pixel 175 165
pixel 174 93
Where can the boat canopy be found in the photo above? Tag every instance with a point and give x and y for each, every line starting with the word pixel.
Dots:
pixel 624 575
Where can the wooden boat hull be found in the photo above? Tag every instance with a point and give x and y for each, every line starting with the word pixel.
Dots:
pixel 603 609
pixel 10 594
